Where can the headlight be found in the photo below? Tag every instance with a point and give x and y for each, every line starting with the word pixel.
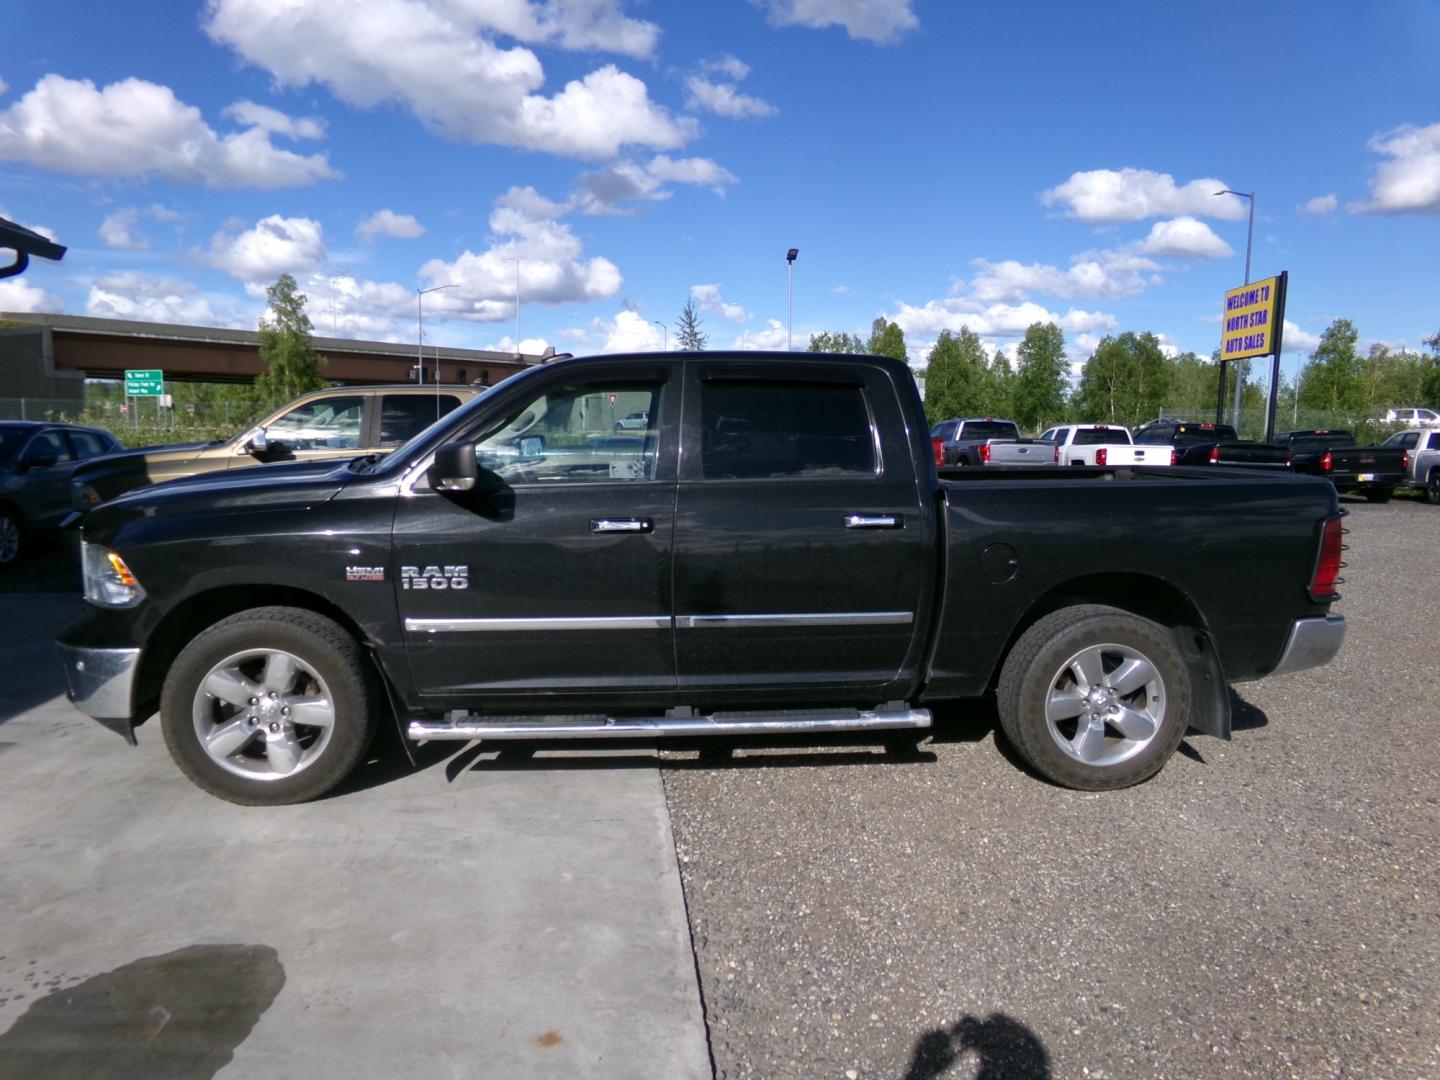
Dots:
pixel 108 581
pixel 83 496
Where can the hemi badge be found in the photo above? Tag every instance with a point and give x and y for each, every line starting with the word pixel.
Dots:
pixel 364 573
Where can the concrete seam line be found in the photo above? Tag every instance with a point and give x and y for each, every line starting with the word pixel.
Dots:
pixel 689 922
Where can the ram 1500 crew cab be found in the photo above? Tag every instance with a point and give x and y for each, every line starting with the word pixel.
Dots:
pixel 776 552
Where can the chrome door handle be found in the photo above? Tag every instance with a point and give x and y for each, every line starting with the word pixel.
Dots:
pixel 874 521
pixel 620 525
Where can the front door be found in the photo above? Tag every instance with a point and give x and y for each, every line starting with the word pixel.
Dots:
pixel 559 581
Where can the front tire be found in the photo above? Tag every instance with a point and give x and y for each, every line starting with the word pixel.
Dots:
pixel 1094 698
pixel 11 538
pixel 268 707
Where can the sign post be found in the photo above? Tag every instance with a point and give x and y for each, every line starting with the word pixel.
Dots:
pixel 1252 324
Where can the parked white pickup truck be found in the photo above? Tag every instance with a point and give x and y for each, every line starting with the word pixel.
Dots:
pixel 1103 444
pixel 1424 461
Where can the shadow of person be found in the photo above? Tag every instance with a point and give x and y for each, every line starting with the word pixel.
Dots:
pixel 1003 1049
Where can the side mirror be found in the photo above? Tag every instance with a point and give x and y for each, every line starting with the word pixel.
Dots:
pixel 454 468
pixel 259 442
pixel 531 447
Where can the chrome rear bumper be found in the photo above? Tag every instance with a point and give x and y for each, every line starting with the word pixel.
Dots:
pixel 1313 643
pixel 101 684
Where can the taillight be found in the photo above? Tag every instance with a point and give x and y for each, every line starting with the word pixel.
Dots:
pixel 1327 461
pixel 1327 566
pixel 1057 455
pixel 1289 459
pixel 1406 459
pixel 1214 455
pixel 984 453
pixel 1102 456
pixel 1174 456
pixel 937 447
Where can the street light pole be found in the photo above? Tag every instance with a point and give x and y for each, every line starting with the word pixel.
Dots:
pixel 790 298
pixel 664 333
pixel 516 261
pixel 420 343
pixel 1249 240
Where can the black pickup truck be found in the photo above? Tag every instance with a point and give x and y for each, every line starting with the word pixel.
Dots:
pixel 1373 471
pixel 774 552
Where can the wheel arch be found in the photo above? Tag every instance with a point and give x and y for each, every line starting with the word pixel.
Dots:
pixel 1161 602
pixel 198 612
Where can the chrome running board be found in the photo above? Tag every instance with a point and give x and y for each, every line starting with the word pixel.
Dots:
pixel 468 726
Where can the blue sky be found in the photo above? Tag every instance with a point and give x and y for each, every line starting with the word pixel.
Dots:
pixel 943 164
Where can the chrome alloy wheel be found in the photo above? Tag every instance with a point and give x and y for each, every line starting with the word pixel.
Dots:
pixel 9 539
pixel 263 714
pixel 1106 704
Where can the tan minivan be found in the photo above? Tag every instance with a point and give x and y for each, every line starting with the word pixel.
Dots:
pixel 338 423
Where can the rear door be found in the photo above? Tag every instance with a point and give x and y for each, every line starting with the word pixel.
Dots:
pixel 802 554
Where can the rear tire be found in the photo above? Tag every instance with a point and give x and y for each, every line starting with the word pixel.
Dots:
pixel 1378 495
pixel 1094 698
pixel 268 707
pixel 11 538
pixel 1432 488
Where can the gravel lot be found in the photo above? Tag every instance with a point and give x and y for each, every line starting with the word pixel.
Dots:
pixel 1265 907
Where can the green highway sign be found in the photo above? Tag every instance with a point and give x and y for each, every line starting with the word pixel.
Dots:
pixel 144 383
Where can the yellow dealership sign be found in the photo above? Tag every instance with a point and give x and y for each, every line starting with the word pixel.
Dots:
pixel 1251 320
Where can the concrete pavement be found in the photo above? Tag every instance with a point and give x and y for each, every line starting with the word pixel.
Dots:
pixel 473 919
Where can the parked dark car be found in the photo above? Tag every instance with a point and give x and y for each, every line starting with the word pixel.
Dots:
pixel 36 460
pixel 1193 440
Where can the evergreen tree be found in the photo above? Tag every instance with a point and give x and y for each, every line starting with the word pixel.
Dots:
pixel 292 367
pixel 886 339
pixel 688 334
pixel 1040 382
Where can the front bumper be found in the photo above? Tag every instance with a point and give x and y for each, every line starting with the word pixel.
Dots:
pixel 1313 643
pixel 101 684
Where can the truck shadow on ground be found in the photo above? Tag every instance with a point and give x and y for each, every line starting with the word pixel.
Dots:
pixel 998 1048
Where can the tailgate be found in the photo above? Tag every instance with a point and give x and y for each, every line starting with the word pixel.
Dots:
pixel 1126 454
pixel 1022 452
pixel 1368 464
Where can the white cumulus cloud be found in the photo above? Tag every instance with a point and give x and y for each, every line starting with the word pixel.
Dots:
pixel 438 60
pixel 130 295
pixel 616 188
pixel 1321 205
pixel 1410 181
pixel 1107 195
pixel 135 128
pixel 1183 238
pixel 276 245
pixel 249 114
pixel 710 300
pixel 724 99
pixel 17 296
pixel 121 229
pixel 388 223
pixel 880 21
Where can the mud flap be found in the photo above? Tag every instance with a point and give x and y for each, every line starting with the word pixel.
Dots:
pixel 1209 692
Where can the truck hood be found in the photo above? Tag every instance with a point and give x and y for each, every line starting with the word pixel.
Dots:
pixel 264 487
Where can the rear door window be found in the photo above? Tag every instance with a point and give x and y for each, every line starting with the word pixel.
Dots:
pixel 771 430
pixel 403 416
